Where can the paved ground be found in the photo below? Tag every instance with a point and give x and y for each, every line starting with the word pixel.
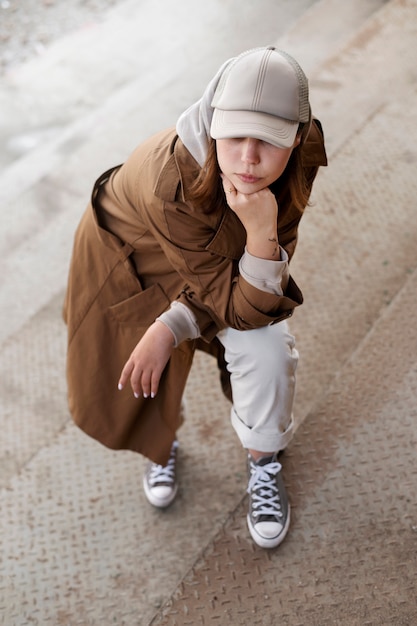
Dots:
pixel 79 544
pixel 28 28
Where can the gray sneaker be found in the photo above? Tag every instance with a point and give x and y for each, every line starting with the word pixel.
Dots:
pixel 269 509
pixel 160 483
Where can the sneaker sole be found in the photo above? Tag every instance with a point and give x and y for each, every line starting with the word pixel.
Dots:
pixel 273 542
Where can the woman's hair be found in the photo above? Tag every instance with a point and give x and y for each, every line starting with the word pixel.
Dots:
pixel 207 192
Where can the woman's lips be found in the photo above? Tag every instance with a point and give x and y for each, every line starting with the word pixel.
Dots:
pixel 248 178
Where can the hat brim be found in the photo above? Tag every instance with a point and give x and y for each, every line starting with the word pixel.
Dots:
pixel 237 124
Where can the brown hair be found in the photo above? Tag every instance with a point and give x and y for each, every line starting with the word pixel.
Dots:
pixel 207 193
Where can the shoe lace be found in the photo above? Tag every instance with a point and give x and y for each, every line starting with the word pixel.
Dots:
pixel 265 494
pixel 164 473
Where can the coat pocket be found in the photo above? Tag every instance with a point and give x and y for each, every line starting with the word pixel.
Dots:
pixel 142 309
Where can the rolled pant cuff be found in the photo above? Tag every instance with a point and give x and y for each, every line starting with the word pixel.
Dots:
pixel 262 441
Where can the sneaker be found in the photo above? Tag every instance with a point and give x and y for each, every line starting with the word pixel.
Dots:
pixel 160 483
pixel 269 509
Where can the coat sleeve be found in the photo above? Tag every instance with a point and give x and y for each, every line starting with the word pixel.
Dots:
pixel 207 255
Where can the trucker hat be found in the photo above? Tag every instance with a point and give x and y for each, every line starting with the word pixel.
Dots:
pixel 262 93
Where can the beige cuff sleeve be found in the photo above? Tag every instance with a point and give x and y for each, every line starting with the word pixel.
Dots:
pixel 269 276
pixel 181 322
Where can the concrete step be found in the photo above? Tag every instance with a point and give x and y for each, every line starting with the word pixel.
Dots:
pixel 324 29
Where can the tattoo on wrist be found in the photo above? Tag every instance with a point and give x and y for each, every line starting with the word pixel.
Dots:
pixel 276 248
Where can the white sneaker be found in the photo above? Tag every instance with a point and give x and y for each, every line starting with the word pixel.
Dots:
pixel 160 483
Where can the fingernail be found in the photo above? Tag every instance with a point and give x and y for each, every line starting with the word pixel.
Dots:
pixel 135 393
pixel 120 386
pixel 145 395
pixel 152 394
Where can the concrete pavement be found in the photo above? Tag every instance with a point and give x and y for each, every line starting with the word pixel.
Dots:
pixel 79 543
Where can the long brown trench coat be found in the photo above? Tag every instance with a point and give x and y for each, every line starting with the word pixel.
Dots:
pixel 139 246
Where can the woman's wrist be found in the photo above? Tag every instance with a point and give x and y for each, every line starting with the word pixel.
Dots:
pixel 264 246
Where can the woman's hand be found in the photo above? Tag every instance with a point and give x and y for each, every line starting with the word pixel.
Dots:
pixel 148 360
pixel 258 213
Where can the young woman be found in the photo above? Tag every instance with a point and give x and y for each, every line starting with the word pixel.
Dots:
pixel 187 246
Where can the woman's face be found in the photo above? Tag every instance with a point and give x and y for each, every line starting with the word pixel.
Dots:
pixel 251 164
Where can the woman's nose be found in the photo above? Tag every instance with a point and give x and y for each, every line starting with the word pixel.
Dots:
pixel 250 150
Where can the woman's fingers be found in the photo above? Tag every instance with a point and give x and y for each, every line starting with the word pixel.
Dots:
pixel 124 376
pixel 145 383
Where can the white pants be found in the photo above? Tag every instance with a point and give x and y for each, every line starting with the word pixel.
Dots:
pixel 262 364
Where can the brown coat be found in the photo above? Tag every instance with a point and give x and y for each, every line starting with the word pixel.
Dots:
pixel 139 246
